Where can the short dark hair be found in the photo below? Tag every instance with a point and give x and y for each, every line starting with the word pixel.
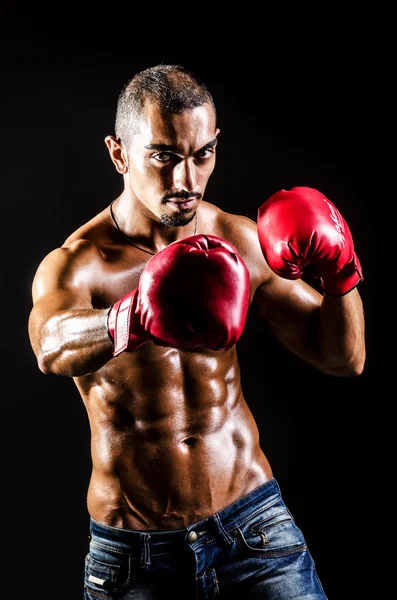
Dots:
pixel 173 87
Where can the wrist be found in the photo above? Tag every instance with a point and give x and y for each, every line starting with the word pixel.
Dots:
pixel 110 321
pixel 123 324
pixel 345 280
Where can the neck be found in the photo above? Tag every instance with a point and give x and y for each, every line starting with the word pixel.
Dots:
pixel 157 235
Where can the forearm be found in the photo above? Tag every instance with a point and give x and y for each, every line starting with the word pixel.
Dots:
pixel 73 342
pixel 341 333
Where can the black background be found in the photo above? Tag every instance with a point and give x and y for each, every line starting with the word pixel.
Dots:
pixel 282 124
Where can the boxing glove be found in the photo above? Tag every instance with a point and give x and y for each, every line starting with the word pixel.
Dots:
pixel 301 227
pixel 194 292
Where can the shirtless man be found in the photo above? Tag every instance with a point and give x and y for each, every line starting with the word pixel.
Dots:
pixel 143 306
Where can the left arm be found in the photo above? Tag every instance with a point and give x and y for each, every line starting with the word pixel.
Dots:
pixel 327 332
pixel 341 333
pixel 300 228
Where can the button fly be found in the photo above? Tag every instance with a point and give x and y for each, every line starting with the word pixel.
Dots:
pixel 192 537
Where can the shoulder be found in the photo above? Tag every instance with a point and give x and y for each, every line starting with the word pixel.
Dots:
pixel 73 262
pixel 97 232
pixel 242 232
pixel 65 267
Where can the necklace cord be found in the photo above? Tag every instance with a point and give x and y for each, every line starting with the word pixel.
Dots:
pixel 127 237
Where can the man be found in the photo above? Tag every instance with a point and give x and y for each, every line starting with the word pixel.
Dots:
pixel 143 306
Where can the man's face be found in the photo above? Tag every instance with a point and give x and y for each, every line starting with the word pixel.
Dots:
pixel 170 161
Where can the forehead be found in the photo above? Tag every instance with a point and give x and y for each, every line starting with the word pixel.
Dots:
pixel 191 129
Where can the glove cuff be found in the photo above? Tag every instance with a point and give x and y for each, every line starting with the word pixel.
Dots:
pixel 123 324
pixel 110 322
pixel 345 281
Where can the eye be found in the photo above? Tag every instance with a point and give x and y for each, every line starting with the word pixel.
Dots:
pixel 164 157
pixel 205 153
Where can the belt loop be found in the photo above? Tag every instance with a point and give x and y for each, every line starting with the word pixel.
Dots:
pixel 145 550
pixel 216 524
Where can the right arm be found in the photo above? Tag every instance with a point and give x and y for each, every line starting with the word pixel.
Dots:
pixel 68 336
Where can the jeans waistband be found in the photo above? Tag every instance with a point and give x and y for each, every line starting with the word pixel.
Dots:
pixel 217 525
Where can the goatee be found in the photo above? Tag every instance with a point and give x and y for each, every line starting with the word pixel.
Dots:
pixel 177 220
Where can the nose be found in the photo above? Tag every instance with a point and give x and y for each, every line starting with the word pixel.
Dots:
pixel 185 175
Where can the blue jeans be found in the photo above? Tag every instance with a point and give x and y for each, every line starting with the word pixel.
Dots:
pixel 250 549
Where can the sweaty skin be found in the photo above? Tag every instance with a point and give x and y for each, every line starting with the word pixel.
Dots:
pixel 172 437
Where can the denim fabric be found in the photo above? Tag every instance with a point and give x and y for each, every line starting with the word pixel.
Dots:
pixel 250 549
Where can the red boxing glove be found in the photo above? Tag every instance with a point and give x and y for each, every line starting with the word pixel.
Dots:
pixel 301 227
pixel 193 293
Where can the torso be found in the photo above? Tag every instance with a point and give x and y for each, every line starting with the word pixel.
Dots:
pixel 172 437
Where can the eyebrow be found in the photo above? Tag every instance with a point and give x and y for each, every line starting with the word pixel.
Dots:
pixel 172 148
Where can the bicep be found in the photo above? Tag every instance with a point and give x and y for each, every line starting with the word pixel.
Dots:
pixel 291 310
pixel 56 288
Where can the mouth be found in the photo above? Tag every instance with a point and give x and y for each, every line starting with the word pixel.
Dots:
pixel 185 204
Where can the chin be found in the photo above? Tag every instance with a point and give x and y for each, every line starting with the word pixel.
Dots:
pixel 177 220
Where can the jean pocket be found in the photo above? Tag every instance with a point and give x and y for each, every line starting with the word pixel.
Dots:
pixel 271 534
pixel 107 571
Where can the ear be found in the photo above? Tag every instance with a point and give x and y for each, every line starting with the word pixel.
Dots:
pixel 117 153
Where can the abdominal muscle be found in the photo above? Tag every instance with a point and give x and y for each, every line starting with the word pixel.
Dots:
pixel 172 448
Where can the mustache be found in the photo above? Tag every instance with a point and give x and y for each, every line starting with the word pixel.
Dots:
pixel 181 195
